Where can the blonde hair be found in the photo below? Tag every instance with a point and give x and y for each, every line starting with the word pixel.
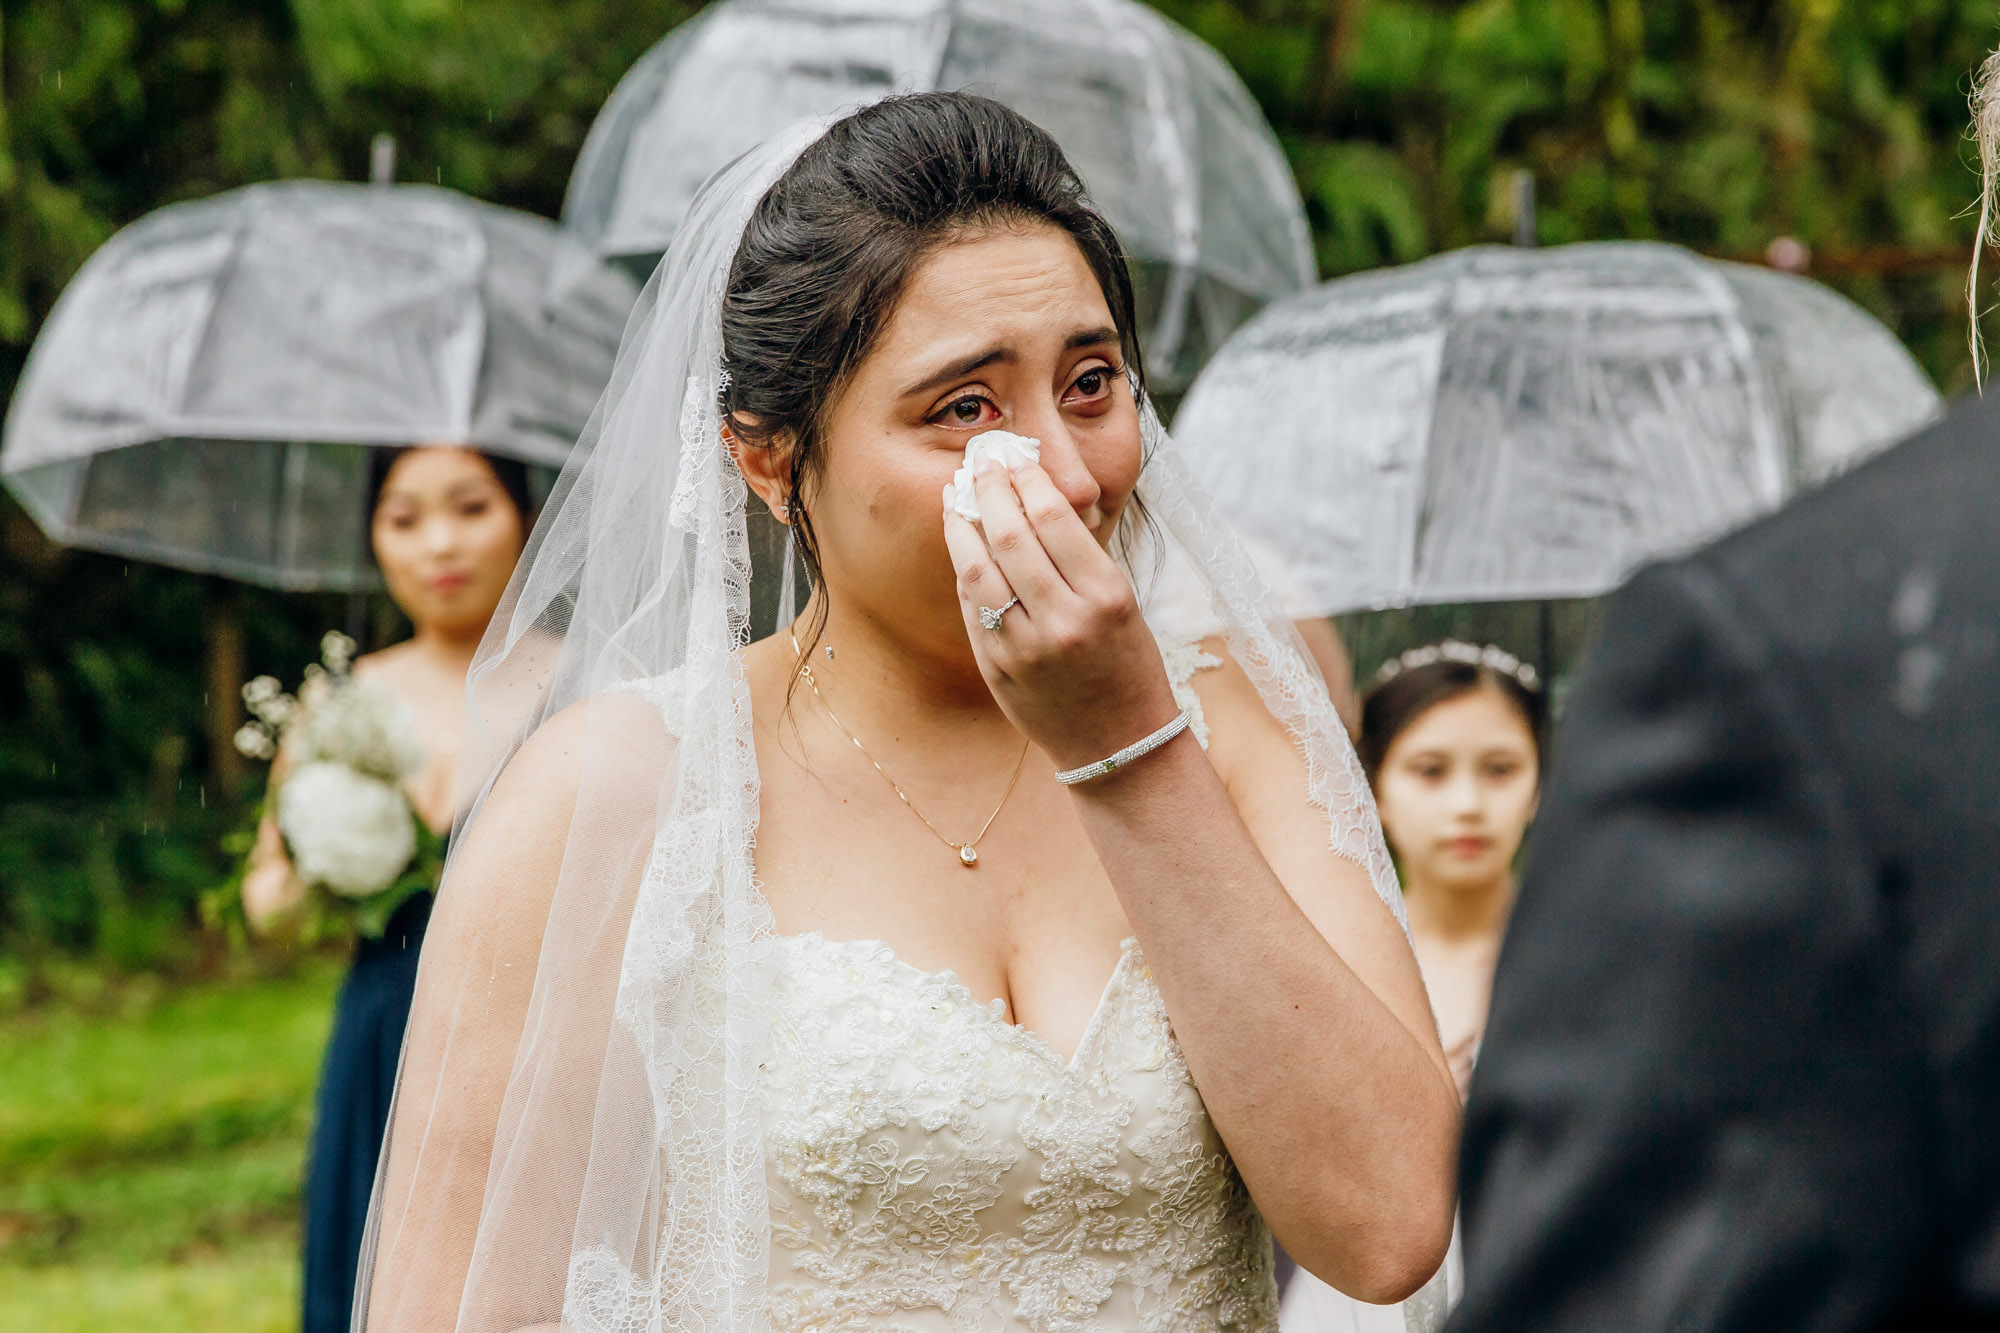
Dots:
pixel 1986 133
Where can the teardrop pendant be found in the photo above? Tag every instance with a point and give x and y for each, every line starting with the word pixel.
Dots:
pixel 968 856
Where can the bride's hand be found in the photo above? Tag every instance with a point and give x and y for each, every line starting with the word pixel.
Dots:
pixel 1074 665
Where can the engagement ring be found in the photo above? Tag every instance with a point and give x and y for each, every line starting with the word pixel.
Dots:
pixel 990 617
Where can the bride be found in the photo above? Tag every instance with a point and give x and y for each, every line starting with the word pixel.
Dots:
pixel 831 982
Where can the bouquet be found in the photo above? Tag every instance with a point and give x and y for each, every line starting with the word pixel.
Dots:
pixel 353 837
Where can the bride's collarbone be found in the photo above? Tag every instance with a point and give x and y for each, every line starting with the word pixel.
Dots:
pixel 832 814
pixel 844 853
pixel 883 884
pixel 1031 924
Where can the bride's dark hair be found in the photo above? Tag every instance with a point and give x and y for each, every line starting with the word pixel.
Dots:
pixel 832 245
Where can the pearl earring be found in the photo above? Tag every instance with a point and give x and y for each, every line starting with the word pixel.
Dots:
pixel 784 512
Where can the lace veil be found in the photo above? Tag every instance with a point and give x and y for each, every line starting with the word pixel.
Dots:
pixel 576 1133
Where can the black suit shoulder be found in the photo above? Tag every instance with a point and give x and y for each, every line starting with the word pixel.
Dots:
pixel 1881 597
pixel 1688 1069
pixel 1744 1059
pixel 1906 543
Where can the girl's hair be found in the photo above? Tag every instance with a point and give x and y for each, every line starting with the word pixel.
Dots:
pixel 512 474
pixel 1392 707
pixel 831 247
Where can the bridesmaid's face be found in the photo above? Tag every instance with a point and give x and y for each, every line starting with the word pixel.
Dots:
pixel 446 535
pixel 1002 330
pixel 1457 790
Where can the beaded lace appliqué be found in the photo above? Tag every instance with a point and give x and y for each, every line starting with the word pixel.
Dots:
pixel 1185 660
pixel 933 1166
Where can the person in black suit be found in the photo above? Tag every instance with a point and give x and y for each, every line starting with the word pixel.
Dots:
pixel 1743 1065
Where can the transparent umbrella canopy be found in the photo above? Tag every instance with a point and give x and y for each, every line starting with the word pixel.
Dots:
pixel 1171 146
pixel 207 390
pixel 1500 424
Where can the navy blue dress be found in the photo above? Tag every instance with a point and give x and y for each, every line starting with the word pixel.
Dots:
pixel 351 1111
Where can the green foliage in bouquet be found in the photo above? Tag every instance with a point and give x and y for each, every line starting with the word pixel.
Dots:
pixel 328 916
pixel 323 917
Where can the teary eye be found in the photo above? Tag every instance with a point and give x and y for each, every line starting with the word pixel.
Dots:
pixel 1090 391
pixel 967 410
pixel 1091 386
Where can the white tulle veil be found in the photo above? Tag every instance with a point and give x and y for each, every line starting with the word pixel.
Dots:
pixel 576 1136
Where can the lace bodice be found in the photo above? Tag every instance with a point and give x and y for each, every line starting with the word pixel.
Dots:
pixel 933 1167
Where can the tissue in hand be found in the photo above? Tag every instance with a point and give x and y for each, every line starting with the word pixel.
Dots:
pixel 1009 450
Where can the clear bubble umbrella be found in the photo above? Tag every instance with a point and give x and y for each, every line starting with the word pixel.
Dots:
pixel 207 390
pixel 1171 145
pixel 1501 424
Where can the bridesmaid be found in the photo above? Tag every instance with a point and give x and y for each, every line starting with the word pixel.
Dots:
pixel 1451 741
pixel 446 526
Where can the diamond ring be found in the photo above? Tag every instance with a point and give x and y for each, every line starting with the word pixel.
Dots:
pixel 990 616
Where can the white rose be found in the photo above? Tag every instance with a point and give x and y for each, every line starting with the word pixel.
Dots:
pixel 347 831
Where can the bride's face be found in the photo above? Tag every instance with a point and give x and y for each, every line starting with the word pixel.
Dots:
pixel 1002 330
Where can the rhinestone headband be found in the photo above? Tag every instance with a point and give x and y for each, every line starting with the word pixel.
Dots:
pixel 1451 650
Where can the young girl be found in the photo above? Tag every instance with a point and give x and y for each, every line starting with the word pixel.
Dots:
pixel 446 526
pixel 1451 741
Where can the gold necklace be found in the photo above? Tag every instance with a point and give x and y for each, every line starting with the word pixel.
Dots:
pixel 968 854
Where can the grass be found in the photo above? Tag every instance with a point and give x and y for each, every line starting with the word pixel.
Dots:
pixel 152 1141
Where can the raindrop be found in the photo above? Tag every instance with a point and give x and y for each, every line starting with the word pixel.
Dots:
pixel 1917 672
pixel 1915 605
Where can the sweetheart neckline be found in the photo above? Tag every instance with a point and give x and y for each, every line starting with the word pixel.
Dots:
pixel 995 1008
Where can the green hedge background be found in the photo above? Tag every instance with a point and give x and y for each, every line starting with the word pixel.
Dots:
pixel 1717 125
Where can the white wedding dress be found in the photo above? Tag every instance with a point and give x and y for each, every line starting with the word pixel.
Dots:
pixel 932 1167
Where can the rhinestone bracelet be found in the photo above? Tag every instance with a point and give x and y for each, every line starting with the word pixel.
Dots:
pixel 1137 749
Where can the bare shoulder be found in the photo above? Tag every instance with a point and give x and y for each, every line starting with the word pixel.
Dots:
pixel 1265 772
pixel 385 663
pixel 594 771
pixel 1264 769
pixel 615 743
pixel 1246 741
